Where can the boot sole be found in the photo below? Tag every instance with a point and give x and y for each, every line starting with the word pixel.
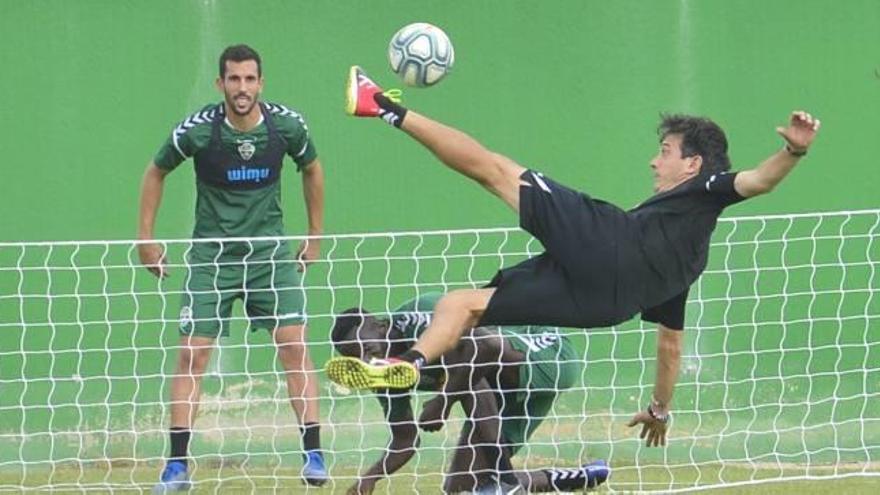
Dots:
pixel 351 90
pixel 358 375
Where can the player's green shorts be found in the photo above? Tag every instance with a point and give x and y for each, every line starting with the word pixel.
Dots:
pixel 270 289
pixel 552 366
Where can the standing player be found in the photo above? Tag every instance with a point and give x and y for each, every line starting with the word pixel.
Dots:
pixel 602 264
pixel 506 378
pixel 238 147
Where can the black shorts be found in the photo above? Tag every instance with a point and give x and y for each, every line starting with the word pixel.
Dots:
pixel 574 283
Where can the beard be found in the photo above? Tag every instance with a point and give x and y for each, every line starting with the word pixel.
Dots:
pixel 232 103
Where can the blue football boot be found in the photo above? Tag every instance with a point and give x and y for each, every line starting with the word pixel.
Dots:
pixel 175 478
pixel 313 472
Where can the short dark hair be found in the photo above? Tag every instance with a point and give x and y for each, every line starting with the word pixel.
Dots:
pixel 350 319
pixel 699 136
pixel 239 53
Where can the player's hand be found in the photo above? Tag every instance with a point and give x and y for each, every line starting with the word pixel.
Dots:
pixel 153 258
pixel 801 130
pixel 653 430
pixel 361 487
pixel 434 414
pixel 309 250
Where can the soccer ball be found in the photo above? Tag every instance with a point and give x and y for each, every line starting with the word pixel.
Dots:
pixel 421 54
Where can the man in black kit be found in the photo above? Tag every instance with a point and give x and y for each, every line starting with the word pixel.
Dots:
pixel 602 264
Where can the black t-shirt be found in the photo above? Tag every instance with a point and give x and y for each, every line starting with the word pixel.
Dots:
pixel 674 229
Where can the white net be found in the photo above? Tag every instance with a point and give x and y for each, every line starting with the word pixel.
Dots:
pixel 780 373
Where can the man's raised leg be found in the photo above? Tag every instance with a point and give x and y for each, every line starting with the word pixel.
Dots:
pixel 459 151
pixel 495 172
pixel 456 312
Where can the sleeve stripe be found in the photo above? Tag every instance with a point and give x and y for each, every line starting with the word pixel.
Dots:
pixel 188 123
pixel 286 112
pixel 177 146
pixel 303 150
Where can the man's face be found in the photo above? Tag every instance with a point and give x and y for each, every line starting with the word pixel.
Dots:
pixel 367 342
pixel 670 168
pixel 241 86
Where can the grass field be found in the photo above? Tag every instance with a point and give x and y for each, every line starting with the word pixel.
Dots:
pixel 578 430
pixel 237 478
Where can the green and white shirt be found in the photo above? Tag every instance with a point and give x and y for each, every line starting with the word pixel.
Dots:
pixel 246 204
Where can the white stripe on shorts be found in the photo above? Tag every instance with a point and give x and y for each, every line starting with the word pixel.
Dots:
pixel 541 183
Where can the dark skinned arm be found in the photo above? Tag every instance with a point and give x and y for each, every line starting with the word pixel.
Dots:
pixel 466 366
pixel 401 448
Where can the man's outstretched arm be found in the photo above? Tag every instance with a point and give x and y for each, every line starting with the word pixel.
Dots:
pixel 668 363
pixel 401 448
pixel 654 420
pixel 798 135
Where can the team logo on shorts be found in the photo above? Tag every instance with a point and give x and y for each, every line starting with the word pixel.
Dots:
pixel 537 343
pixel 186 318
pixel 246 149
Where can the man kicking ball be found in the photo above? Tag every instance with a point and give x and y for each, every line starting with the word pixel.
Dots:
pixel 602 264
pixel 506 379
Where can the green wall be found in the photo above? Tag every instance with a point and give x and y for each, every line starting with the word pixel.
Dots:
pixel 573 88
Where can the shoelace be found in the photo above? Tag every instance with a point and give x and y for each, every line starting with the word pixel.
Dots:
pixel 393 94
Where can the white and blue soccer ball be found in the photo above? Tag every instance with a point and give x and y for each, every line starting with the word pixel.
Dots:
pixel 421 54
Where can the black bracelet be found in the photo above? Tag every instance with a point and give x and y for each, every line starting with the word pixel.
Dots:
pixel 793 152
pixel 663 418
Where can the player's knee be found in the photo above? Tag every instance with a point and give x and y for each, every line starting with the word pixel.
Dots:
pixel 290 335
pixel 193 360
pixel 464 304
pixel 293 355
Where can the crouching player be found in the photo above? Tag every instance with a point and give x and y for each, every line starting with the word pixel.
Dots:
pixel 506 379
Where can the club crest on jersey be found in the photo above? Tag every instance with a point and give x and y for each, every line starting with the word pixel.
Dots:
pixel 186 319
pixel 246 149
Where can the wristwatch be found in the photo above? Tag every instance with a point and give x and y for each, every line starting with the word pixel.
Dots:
pixel 663 418
pixel 794 152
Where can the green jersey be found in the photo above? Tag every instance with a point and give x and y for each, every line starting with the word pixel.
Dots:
pixel 237 186
pixel 551 363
